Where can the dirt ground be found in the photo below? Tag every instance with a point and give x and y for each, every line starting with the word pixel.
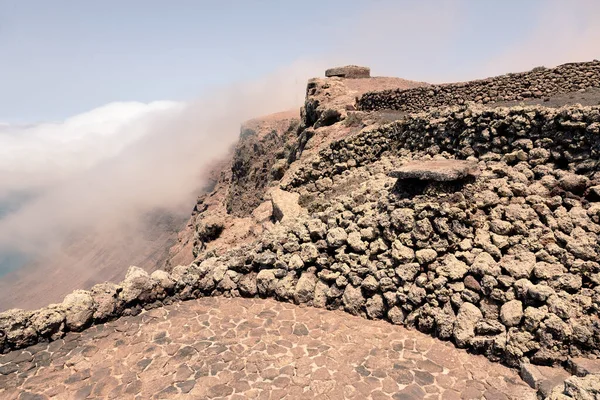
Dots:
pixel 591 97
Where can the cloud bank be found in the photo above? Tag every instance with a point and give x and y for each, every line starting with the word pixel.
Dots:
pixel 100 174
pixel 37 155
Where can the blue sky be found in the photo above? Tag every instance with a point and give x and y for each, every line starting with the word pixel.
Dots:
pixel 59 58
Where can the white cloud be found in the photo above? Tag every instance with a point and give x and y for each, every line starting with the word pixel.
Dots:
pixel 41 154
pixel 101 171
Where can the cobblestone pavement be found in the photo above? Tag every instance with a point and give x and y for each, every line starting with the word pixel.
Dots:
pixel 252 349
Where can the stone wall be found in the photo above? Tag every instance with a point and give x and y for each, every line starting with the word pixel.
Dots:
pixel 568 137
pixel 505 264
pixel 538 83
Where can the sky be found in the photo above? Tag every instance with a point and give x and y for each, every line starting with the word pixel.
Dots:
pixel 60 58
pixel 110 109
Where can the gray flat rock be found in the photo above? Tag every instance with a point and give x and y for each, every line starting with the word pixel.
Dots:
pixel 349 71
pixel 437 170
pixel 543 378
pixel 584 366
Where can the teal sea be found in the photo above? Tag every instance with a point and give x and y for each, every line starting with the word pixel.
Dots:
pixel 10 259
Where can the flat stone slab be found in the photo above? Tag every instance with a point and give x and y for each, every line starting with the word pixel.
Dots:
pixel 349 71
pixel 253 349
pixel 437 170
pixel 584 366
pixel 543 378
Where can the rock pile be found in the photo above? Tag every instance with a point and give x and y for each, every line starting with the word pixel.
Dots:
pixel 538 83
pixel 82 308
pixel 567 138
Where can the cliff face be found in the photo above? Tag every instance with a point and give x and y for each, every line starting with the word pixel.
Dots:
pixel 259 159
pixel 238 209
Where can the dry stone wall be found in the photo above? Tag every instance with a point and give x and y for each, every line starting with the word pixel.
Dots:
pixel 567 138
pixel 538 83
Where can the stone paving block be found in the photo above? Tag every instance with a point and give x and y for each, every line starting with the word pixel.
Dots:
pixel 252 348
pixel 543 378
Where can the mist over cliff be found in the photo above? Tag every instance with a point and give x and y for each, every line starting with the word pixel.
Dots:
pixel 105 173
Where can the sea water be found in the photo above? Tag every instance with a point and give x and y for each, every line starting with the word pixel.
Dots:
pixel 10 259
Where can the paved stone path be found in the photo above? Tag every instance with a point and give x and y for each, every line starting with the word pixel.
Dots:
pixel 252 349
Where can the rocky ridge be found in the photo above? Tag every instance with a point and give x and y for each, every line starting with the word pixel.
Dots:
pixel 503 262
pixel 540 83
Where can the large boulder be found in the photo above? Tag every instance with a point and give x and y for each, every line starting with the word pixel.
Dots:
pixel 375 307
pixel 355 242
pixel 16 330
pixel 353 300
pixel 395 315
pixel 106 298
pixel 308 253
pixel 511 313
pixel 209 228
pixel 247 285
pixel 285 205
pixel 49 321
pixel 464 325
pixel 164 281
pixel 305 288
pixel 401 253
pixel 137 286
pixel 320 296
pixel 79 309
pixel 266 281
pixel 403 219
pixel 452 268
pixel 336 237
pixel 484 264
pixel 574 183
pixel 519 263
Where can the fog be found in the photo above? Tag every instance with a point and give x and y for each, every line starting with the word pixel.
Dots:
pixel 100 174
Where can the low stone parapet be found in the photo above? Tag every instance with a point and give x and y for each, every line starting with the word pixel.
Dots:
pixel 538 83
